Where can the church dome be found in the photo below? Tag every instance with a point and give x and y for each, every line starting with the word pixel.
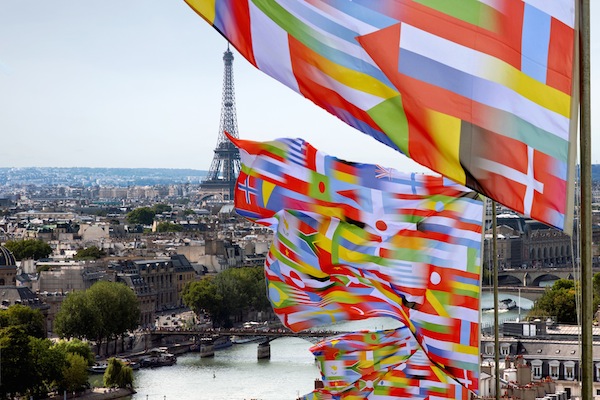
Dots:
pixel 6 257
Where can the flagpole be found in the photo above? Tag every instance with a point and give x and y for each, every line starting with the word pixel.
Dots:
pixel 496 329
pixel 587 359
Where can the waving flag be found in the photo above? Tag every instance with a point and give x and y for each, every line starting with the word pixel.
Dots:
pixel 479 91
pixel 354 241
pixel 385 365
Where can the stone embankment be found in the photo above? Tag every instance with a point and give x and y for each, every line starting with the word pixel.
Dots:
pixel 96 394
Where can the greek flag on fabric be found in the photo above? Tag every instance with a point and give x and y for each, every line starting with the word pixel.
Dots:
pixel 480 91
pixel 354 241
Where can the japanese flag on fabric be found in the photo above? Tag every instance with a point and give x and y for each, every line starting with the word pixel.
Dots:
pixel 354 241
pixel 479 91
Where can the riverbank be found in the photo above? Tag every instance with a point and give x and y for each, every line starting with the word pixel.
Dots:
pixel 96 394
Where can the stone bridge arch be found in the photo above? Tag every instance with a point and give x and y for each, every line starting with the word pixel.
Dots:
pixel 532 277
pixel 548 277
pixel 509 280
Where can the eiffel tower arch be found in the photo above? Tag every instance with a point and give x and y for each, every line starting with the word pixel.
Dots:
pixel 225 166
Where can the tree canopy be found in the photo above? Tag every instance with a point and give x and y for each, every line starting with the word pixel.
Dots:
pixel 74 373
pixel 28 248
pixel 90 253
pixel 168 227
pixel 32 365
pixel 104 311
pixel 141 215
pixel 161 208
pixel 118 374
pixel 228 295
pixel 29 320
pixel 560 301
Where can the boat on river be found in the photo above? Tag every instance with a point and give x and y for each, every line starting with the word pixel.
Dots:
pixel 222 342
pixel 98 368
pixel 157 357
pixel 240 339
pixel 503 305
pixel 507 304
pixel 215 343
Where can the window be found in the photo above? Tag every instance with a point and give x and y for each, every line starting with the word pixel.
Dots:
pixel 536 366
pixel 505 349
pixel 569 370
pixel 554 369
pixel 489 348
pixel 529 330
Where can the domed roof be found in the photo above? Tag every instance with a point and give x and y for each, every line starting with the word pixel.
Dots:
pixel 6 257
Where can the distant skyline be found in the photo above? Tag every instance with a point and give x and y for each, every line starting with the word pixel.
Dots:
pixel 138 84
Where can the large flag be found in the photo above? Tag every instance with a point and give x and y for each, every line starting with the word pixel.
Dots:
pixel 382 365
pixel 354 241
pixel 479 91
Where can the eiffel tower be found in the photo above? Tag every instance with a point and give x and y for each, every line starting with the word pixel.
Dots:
pixel 225 166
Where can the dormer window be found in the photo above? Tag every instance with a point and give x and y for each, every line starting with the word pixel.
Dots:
pixel 554 369
pixel 536 367
pixel 569 370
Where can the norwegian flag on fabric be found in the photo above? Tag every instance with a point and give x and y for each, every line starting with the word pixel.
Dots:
pixel 479 91
pixel 352 243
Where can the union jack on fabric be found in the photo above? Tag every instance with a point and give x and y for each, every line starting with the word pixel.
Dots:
pixel 352 242
pixel 479 91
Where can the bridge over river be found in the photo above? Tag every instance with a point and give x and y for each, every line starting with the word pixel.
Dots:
pixel 206 339
pixel 535 277
pixel 269 334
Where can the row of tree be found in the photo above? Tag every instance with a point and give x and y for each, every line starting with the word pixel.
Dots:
pixel 37 249
pixel 28 249
pixel 32 365
pixel 145 215
pixel 229 295
pixel 103 312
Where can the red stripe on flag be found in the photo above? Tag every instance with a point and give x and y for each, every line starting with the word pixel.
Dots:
pixel 304 60
pixel 311 157
pixel 344 167
pixel 239 32
pixel 555 186
pixel 298 185
pixel 502 41
pixel 560 57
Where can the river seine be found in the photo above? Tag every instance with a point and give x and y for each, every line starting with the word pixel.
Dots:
pixel 236 374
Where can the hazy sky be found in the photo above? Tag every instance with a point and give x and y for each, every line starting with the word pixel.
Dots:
pixel 138 83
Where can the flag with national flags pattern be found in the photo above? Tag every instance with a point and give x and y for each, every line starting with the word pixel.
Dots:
pixel 479 91
pixel 354 241
pixel 380 365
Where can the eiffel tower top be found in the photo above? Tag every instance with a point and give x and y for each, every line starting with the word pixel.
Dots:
pixel 225 166
pixel 228 114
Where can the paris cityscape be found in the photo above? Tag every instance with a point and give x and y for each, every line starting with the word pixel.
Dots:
pixel 159 285
pixel 91 221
